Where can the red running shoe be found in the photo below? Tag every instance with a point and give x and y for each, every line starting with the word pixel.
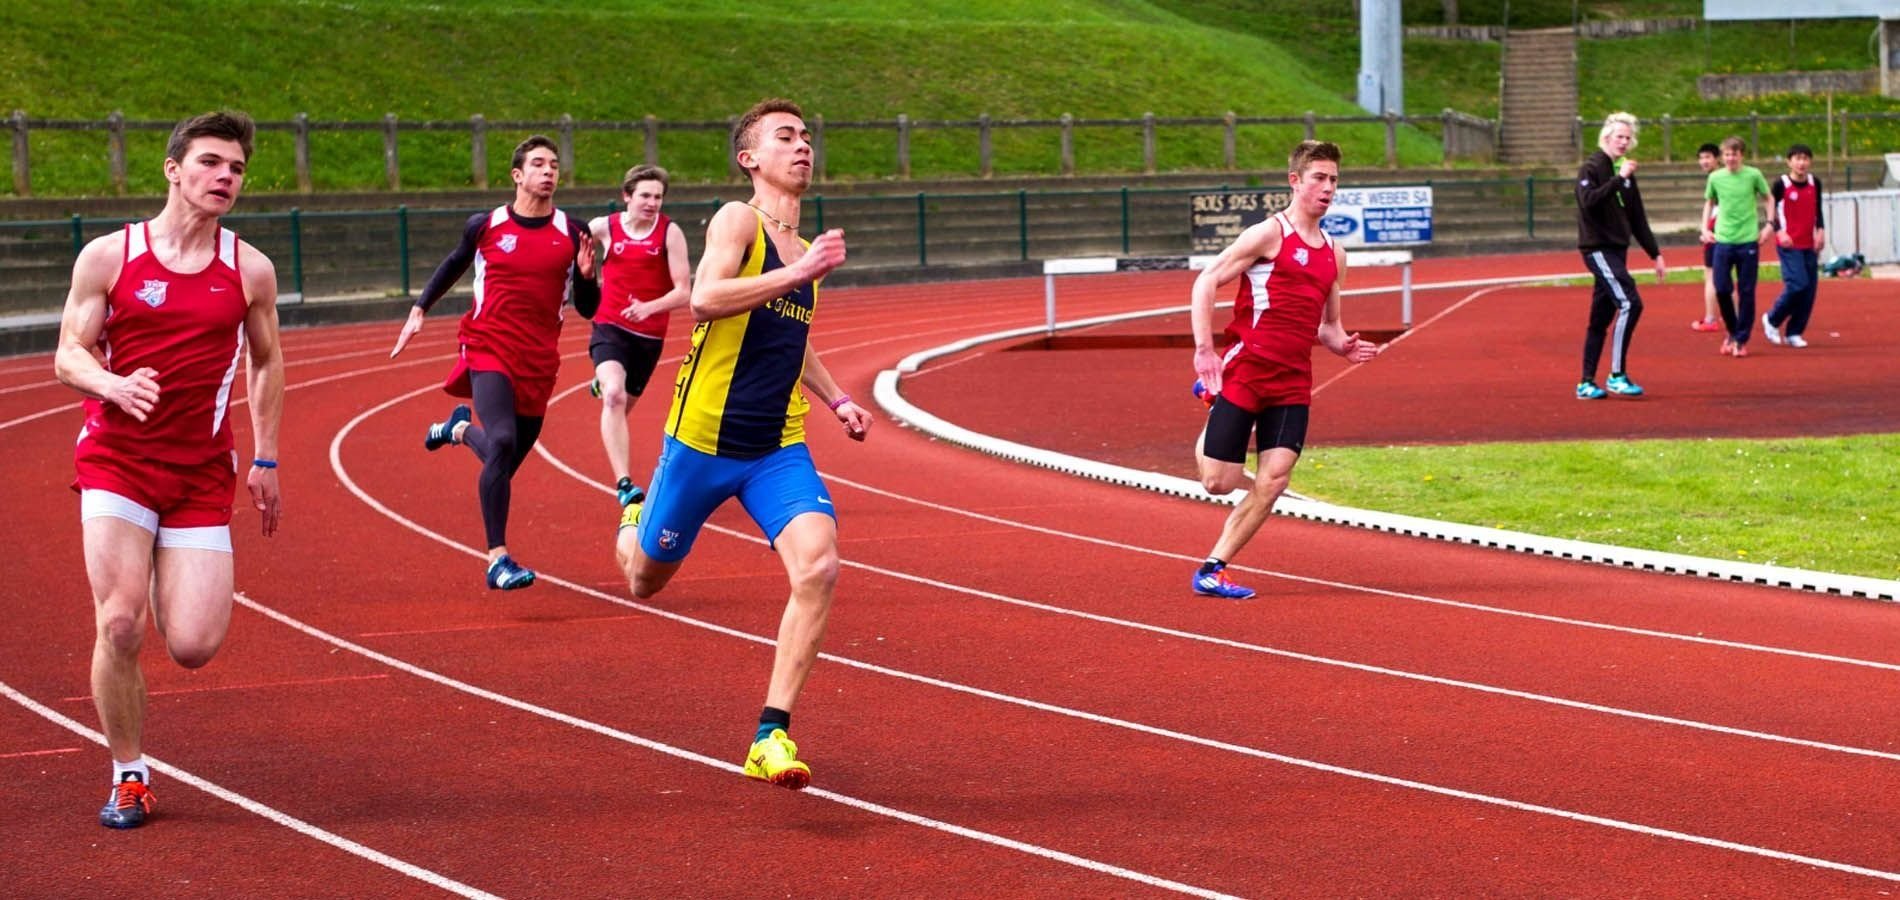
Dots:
pixel 1706 325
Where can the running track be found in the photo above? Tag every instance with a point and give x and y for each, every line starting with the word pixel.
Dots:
pixel 1018 698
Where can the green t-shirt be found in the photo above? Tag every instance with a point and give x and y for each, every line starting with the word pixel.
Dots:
pixel 1735 193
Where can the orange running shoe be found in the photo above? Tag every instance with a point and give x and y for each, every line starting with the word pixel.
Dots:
pixel 129 803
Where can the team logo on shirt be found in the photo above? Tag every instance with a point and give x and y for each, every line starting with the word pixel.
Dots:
pixel 153 293
pixel 1794 195
pixel 507 243
pixel 1299 255
pixel 620 247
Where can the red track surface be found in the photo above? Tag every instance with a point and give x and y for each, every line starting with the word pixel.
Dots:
pixel 1013 652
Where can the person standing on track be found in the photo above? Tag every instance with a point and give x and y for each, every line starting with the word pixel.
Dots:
pixel 737 424
pixel 644 277
pixel 1263 386
pixel 1609 213
pixel 1735 197
pixel 528 256
pixel 1708 156
pixel 1800 233
pixel 160 314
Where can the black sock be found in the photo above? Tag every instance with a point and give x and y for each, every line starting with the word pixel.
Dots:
pixel 770 719
pixel 1212 565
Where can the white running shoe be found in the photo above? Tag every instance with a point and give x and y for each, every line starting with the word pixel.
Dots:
pixel 1769 331
pixel 1797 341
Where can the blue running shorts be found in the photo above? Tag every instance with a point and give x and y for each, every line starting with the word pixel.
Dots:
pixel 688 485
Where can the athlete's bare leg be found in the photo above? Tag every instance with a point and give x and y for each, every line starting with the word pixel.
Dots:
pixel 1276 470
pixel 119 566
pixel 809 548
pixel 614 403
pixel 191 603
pixel 646 576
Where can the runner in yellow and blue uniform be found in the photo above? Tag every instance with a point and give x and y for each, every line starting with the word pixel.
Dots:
pixel 737 425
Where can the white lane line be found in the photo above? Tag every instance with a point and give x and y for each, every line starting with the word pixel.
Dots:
pixel 1232 644
pixel 288 363
pixel 343 475
pixel 1602 821
pixel 434 879
pixel 1377 591
pixel 904 412
pixel 1340 585
pixel 1468 298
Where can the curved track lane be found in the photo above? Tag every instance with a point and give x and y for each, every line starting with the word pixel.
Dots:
pixel 1013 654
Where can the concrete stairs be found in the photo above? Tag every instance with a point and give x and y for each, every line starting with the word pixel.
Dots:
pixel 1538 109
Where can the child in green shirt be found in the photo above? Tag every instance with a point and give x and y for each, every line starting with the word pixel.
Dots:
pixel 1736 197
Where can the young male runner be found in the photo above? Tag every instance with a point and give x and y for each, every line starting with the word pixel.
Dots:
pixel 1263 385
pixel 527 257
pixel 1609 214
pixel 737 426
pixel 160 314
pixel 1800 232
pixel 644 277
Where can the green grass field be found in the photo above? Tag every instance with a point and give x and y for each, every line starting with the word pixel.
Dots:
pixel 1827 504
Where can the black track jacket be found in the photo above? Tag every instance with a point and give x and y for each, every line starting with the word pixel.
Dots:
pixel 1609 208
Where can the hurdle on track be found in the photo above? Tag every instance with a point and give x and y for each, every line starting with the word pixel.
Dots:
pixel 1101 265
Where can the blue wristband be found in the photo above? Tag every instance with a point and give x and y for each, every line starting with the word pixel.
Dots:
pixel 264 463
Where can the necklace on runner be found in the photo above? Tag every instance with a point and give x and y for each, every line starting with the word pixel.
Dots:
pixel 775 219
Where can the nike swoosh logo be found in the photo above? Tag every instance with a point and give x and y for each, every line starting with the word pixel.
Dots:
pixel 217 290
pixel 824 500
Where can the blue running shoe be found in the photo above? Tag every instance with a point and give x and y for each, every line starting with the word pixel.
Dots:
pixel 505 574
pixel 1202 394
pixel 131 801
pixel 1215 584
pixel 629 493
pixel 442 434
pixel 1588 390
pixel 1621 384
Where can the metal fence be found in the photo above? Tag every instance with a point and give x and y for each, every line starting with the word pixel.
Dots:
pixel 1462 137
pixel 391 252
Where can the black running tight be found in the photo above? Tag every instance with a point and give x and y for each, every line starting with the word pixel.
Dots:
pixel 502 441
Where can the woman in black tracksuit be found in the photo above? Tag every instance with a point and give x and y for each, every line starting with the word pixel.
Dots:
pixel 1609 212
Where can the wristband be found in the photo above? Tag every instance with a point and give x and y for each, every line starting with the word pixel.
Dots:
pixel 264 463
pixel 842 400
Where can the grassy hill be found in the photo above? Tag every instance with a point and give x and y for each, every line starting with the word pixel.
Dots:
pixel 699 60
pixel 620 59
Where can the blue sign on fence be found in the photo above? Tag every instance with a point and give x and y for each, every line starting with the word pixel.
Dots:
pixel 1380 217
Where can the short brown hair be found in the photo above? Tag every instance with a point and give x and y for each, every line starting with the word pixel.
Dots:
pixel 742 137
pixel 534 140
pixel 641 173
pixel 1309 152
pixel 1734 142
pixel 224 124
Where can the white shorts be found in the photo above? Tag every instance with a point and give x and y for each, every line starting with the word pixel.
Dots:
pixel 95 503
